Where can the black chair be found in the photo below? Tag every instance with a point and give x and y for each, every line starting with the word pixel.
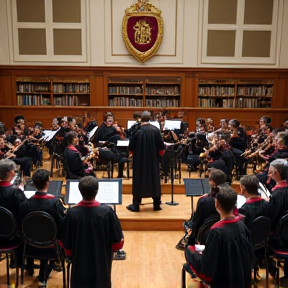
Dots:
pixel 260 229
pixel 40 239
pixel 10 236
pixel 201 239
pixel 279 246
pixel 56 162
pixel 205 228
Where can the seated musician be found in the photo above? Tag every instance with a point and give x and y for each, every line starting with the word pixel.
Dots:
pixel 10 198
pixel 12 152
pixel 72 158
pixel 20 129
pixel 228 245
pixel 205 208
pixel 109 134
pixel 42 201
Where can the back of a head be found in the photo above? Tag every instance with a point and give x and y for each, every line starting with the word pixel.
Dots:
pixel 40 178
pixel 250 183
pixel 266 119
pixel 217 176
pixel 281 165
pixel 88 187
pixel 6 165
pixel 234 123
pixel 145 116
pixel 227 198
pixel 69 137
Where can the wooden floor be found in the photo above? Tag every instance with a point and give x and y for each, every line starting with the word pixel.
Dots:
pixel 150 238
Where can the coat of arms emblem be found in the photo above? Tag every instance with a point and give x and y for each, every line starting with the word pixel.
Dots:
pixel 142 29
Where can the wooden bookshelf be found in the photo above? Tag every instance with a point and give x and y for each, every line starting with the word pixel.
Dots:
pixel 235 93
pixel 53 90
pixel 228 93
pixel 144 92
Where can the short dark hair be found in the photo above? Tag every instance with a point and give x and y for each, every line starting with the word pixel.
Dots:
pixel 250 183
pixel 217 176
pixel 234 123
pixel 266 119
pixel 40 178
pixel 88 187
pixel 227 198
pixel 69 137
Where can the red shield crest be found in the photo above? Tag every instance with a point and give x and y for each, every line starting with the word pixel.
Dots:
pixel 142 30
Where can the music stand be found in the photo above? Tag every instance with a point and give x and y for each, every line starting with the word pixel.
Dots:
pixel 54 188
pixel 196 187
pixel 172 203
pixel 109 192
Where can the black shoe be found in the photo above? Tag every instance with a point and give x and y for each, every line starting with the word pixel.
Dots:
pixel 157 208
pixel 119 255
pixel 133 207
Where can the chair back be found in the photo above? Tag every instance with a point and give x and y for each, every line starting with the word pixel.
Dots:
pixel 260 229
pixel 205 228
pixel 8 228
pixel 282 231
pixel 39 229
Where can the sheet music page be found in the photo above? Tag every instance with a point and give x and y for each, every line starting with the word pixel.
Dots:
pixel 92 132
pixel 240 201
pixel 74 193
pixel 123 143
pixel 108 192
pixel 49 134
pixel 172 124
pixel 130 123
pixel 155 123
pixel 29 194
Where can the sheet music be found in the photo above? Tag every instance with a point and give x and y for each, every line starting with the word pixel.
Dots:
pixel 49 134
pixel 29 194
pixel 123 143
pixel 172 124
pixel 92 132
pixel 155 123
pixel 74 193
pixel 130 123
pixel 240 201
pixel 108 192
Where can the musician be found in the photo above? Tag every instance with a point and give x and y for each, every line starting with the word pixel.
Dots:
pixel 110 134
pixel 264 129
pixel 10 198
pixel 107 131
pixel 9 152
pixel 223 131
pixel 72 158
pixel 146 145
pixel 20 129
pixel 228 245
pixel 129 132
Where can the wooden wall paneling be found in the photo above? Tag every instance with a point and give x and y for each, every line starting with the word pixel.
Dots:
pixel 6 85
pixel 96 90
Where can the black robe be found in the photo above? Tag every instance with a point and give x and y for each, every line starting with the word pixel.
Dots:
pixel 92 233
pixel 278 204
pixel 146 145
pixel 228 257
pixel 254 208
pixel 205 208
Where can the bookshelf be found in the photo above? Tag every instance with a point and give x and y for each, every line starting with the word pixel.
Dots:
pixel 55 91
pixel 144 91
pixel 235 93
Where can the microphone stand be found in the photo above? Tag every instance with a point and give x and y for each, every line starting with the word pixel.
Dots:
pixel 172 203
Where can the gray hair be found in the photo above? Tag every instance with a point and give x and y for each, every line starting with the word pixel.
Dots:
pixel 6 165
pixel 281 165
pixel 145 116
